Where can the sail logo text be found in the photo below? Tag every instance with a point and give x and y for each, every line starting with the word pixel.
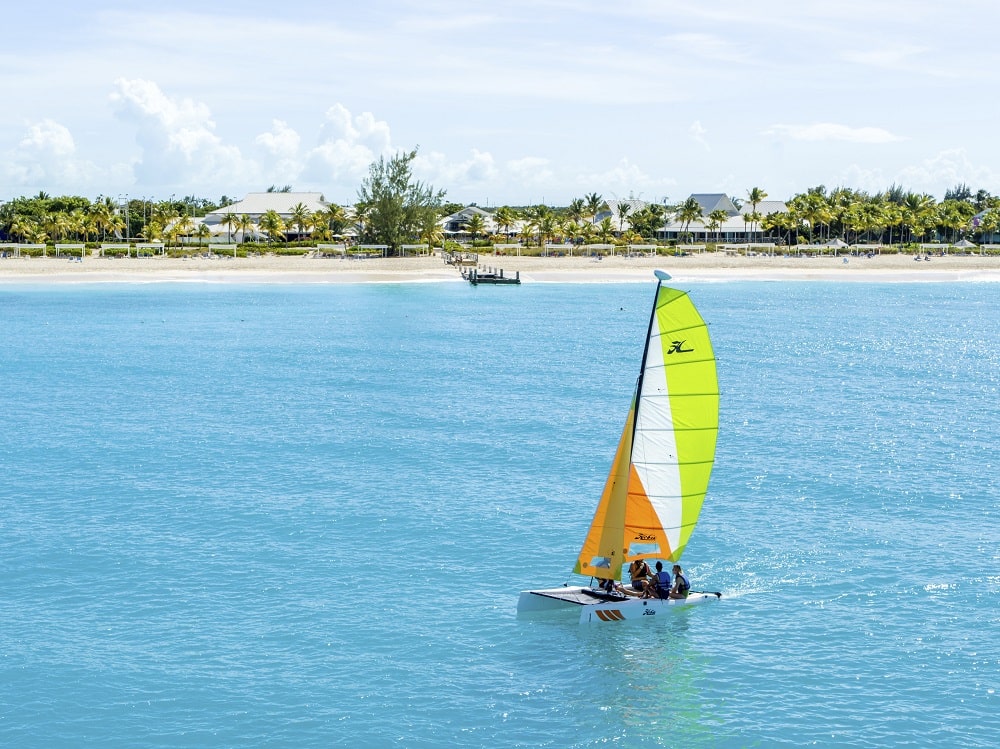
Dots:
pixel 677 347
pixel 644 537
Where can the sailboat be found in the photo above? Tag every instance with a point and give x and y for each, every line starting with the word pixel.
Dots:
pixel 660 474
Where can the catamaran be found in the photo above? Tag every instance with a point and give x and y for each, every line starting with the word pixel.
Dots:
pixel 660 473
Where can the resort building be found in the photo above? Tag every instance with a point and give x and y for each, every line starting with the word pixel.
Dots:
pixel 255 205
pixel 737 228
pixel 456 222
pixel 614 210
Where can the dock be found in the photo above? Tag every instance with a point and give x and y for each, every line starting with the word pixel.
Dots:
pixel 476 276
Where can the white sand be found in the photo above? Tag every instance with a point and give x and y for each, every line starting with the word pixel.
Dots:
pixel 297 269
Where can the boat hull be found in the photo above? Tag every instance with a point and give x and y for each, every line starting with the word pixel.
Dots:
pixel 593 607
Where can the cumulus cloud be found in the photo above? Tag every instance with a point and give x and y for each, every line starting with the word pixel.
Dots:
pixel 531 170
pixel 477 170
pixel 933 175
pixel 829 131
pixel 279 150
pixel 626 178
pixel 177 138
pixel 347 145
pixel 46 159
pixel 946 169
pixel 282 141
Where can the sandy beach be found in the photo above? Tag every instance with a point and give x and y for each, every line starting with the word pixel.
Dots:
pixel 702 267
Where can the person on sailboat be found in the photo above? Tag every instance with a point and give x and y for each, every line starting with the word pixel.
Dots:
pixel 681 584
pixel 639 572
pixel 659 586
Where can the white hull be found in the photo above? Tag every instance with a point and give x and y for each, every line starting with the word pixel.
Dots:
pixel 592 609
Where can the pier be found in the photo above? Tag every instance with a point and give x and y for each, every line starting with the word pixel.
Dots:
pixel 476 276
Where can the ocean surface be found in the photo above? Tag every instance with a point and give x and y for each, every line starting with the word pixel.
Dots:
pixel 300 516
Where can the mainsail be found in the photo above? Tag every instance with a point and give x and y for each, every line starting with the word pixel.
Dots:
pixel 660 473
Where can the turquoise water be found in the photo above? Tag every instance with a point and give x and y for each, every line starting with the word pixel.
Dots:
pixel 270 516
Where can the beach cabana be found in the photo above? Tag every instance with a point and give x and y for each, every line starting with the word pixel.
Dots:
pixel 837 245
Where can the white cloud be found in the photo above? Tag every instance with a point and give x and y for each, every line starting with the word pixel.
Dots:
pixel 280 152
pixel 698 132
pixel 177 138
pixel 829 131
pixel 625 179
pixel 478 170
pixel 50 138
pixel 347 146
pixel 530 170
pixel 934 175
pixel 282 141
pixel 46 159
pixel 947 169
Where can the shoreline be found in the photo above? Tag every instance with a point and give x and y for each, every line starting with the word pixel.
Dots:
pixel 699 268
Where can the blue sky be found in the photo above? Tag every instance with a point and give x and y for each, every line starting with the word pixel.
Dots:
pixel 509 103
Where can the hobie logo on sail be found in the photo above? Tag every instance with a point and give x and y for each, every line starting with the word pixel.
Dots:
pixel 677 347
pixel 644 537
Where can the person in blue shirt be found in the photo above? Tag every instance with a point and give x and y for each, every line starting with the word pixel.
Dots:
pixel 659 585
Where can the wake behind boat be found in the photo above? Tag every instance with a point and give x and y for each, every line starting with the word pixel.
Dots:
pixel 660 473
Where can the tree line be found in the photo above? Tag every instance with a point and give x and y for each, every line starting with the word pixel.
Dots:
pixel 392 208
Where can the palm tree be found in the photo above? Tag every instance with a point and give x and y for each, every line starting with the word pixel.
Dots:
pixel 570 229
pixel 689 211
pixel 547 223
pixel 715 221
pixel 101 214
pixel 77 222
pixel 336 218
pixel 182 227
pixel 243 224
pixel 475 225
pixel 22 227
pixel 272 223
pixel 811 208
pixel 359 214
pixel 535 217
pixel 203 233
pixel 116 224
pixel 606 231
pixel 505 217
pixel 593 203
pixel 989 223
pixel 916 210
pixel 299 217
pixel 319 227
pixel 585 232
pixel 431 232
pixel 229 220
pixel 55 225
pixel 624 209
pixel 576 210
pixel 755 196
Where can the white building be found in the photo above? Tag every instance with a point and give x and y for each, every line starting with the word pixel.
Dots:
pixel 256 204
